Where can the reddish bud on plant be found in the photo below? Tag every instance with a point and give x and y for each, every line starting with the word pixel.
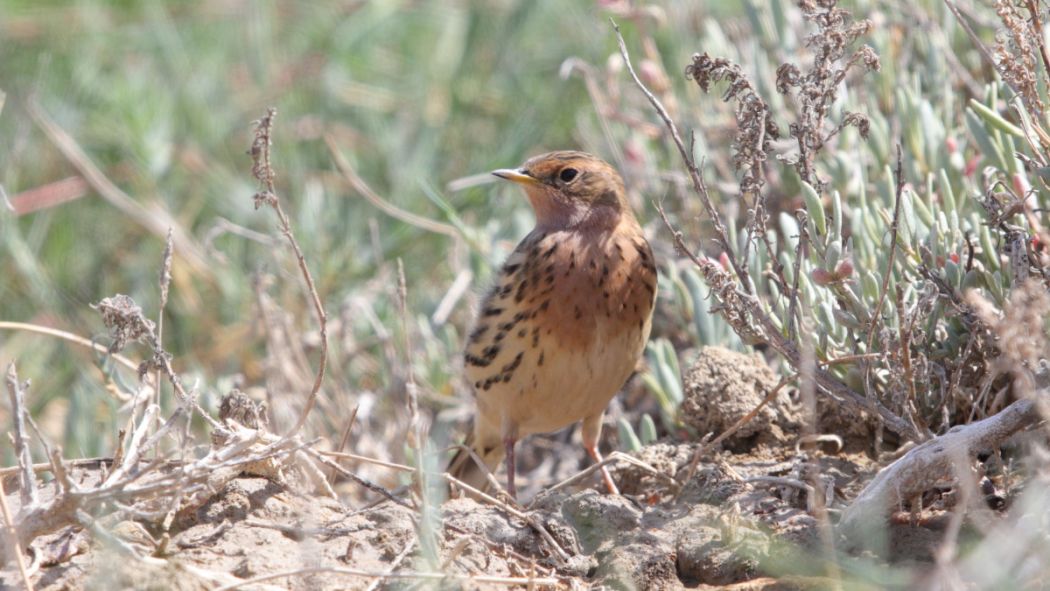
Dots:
pixel 633 151
pixel 723 259
pixel 971 166
pixel 951 145
pixel 1021 186
pixel 822 277
pixel 844 269
pixel 954 257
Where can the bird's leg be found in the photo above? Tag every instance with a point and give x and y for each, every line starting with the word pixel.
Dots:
pixel 508 442
pixel 592 428
pixel 592 451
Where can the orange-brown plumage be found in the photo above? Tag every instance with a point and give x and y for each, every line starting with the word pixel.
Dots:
pixel 563 327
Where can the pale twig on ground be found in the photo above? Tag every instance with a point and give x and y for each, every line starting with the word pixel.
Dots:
pixel 613 458
pixel 344 439
pixel 200 477
pixel 362 481
pixel 694 463
pixel 478 495
pixel 932 461
pixel 394 564
pixel 404 576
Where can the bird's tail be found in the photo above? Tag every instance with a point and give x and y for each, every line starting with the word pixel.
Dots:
pixel 464 466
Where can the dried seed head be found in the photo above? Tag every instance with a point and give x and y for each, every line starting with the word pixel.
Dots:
pixel 756 129
pixel 260 153
pixel 125 320
pixel 1016 54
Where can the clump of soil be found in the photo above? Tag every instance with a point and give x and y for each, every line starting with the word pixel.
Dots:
pixel 723 386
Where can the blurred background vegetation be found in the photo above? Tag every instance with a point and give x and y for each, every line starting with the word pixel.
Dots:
pixel 420 98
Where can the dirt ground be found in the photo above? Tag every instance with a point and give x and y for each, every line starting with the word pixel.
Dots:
pixel 741 518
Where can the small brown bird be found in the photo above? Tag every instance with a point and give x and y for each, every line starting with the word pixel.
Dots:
pixel 562 329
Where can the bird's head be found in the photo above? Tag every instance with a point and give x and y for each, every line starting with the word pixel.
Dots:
pixel 571 190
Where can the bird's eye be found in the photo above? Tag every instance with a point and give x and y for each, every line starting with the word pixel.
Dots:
pixel 567 174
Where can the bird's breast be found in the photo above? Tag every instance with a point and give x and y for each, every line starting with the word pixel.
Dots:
pixel 564 300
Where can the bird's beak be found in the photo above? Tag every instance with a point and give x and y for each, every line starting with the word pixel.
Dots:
pixel 515 176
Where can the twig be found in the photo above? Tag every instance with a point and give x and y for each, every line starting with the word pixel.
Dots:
pixel 612 458
pixel 542 531
pixel 164 284
pixel 411 576
pixel 363 482
pixel 263 171
pixel 396 562
pixel 355 457
pixel 976 40
pixel 68 336
pixel 12 540
pixel 816 502
pixel 93 463
pixel 694 463
pixel 694 172
pixel 455 292
pixel 17 395
pixel 794 316
pixel 876 316
pixel 385 206
pixel 930 462
pixel 344 439
pixel 131 456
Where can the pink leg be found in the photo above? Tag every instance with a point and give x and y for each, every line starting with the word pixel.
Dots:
pixel 609 484
pixel 509 444
pixel 592 428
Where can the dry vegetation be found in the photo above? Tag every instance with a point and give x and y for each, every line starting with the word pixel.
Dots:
pixel 854 270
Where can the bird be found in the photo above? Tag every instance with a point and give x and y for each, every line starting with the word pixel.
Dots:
pixel 564 326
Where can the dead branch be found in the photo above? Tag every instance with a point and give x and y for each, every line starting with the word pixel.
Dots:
pixel 930 462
